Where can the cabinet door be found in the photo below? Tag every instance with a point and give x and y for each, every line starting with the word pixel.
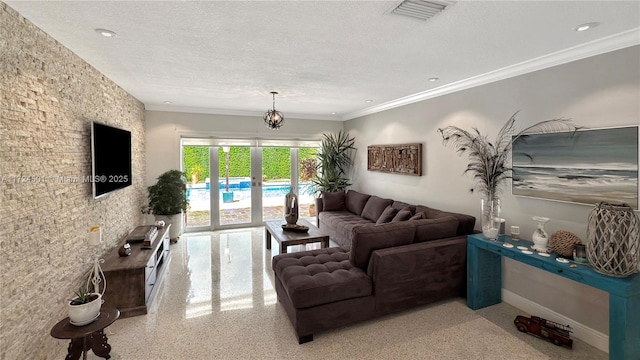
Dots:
pixel 150 278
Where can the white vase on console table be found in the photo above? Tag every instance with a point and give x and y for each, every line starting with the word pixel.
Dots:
pixel 540 237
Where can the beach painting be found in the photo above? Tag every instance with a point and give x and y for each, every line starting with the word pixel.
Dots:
pixel 586 166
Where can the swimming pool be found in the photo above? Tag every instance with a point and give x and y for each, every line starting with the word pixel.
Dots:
pixel 196 194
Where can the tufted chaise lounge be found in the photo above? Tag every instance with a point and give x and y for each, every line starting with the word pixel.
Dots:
pixel 382 272
pixel 323 290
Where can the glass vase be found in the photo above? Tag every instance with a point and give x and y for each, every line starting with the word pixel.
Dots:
pixel 491 218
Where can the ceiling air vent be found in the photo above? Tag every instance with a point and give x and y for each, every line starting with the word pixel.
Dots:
pixel 420 9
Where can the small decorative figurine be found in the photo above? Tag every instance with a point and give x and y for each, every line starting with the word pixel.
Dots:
pixel 124 250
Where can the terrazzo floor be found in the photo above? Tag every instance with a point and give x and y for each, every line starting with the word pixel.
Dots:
pixel 217 301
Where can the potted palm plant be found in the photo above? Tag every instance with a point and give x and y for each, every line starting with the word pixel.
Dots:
pixel 168 200
pixel 334 159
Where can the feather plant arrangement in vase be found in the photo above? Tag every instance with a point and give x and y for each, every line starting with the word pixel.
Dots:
pixel 489 160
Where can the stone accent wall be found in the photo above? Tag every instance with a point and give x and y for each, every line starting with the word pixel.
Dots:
pixel 48 98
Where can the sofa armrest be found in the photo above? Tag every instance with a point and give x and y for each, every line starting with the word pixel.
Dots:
pixel 319 209
pixel 419 273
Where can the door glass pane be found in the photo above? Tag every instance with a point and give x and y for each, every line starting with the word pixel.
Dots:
pixel 276 181
pixel 195 162
pixel 234 184
pixel 306 171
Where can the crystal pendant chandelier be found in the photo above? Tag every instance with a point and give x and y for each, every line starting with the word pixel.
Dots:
pixel 273 119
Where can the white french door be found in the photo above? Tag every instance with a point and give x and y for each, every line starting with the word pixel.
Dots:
pixel 237 192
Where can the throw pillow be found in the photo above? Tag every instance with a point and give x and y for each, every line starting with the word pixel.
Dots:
pixel 402 215
pixel 333 201
pixel 418 216
pixel 387 215
pixel 374 207
pixel 355 201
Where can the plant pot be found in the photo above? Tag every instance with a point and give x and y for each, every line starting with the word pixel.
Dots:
pixel 83 314
pixel 176 224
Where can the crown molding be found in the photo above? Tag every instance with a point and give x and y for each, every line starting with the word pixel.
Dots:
pixel 212 111
pixel 592 48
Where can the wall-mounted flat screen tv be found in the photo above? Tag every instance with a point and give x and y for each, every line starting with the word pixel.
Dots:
pixel 111 159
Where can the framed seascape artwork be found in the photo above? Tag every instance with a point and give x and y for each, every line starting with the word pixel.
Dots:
pixel 403 159
pixel 586 167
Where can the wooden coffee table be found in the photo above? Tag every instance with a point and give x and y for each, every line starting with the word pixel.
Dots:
pixel 273 229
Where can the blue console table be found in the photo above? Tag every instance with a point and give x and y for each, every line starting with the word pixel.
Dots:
pixel 484 288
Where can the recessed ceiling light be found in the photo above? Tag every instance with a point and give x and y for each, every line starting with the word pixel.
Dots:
pixel 334 113
pixel 167 102
pixel 434 79
pixel 106 33
pixel 368 101
pixel 586 26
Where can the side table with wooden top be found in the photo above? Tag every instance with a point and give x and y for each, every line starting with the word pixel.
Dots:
pixel 87 337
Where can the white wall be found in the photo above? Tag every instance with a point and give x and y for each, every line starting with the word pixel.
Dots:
pixel 601 91
pixel 163 131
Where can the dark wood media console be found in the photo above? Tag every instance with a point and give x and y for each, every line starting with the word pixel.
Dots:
pixel 132 281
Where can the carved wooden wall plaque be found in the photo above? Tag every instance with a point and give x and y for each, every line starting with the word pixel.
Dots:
pixel 403 159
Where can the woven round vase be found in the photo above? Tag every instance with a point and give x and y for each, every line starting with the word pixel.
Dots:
pixel 563 243
pixel 613 234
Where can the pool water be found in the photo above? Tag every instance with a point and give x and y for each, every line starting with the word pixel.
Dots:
pixel 243 193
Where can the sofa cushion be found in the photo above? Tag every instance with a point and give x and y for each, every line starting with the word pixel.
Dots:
pixel 374 207
pixel 367 239
pixel 338 225
pixel 402 215
pixel 430 213
pixel 404 206
pixel 431 229
pixel 355 201
pixel 418 216
pixel 466 223
pixel 320 277
pixel 387 215
pixel 333 201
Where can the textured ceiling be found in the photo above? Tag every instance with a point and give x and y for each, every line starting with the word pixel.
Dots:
pixel 323 57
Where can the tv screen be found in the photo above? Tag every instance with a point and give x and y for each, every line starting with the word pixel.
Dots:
pixel 111 159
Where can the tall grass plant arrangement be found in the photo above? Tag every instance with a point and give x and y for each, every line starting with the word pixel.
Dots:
pixel 489 161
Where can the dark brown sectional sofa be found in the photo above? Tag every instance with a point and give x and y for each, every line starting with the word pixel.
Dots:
pixel 379 269
pixel 339 213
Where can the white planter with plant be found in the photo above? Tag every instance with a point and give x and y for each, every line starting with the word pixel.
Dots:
pixel 84 308
pixel 168 200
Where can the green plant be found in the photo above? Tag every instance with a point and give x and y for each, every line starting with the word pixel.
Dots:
pixel 83 296
pixel 169 195
pixel 308 169
pixel 196 171
pixel 334 160
pixel 196 158
pixel 488 160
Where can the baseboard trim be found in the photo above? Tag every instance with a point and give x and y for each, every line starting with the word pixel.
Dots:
pixel 580 331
